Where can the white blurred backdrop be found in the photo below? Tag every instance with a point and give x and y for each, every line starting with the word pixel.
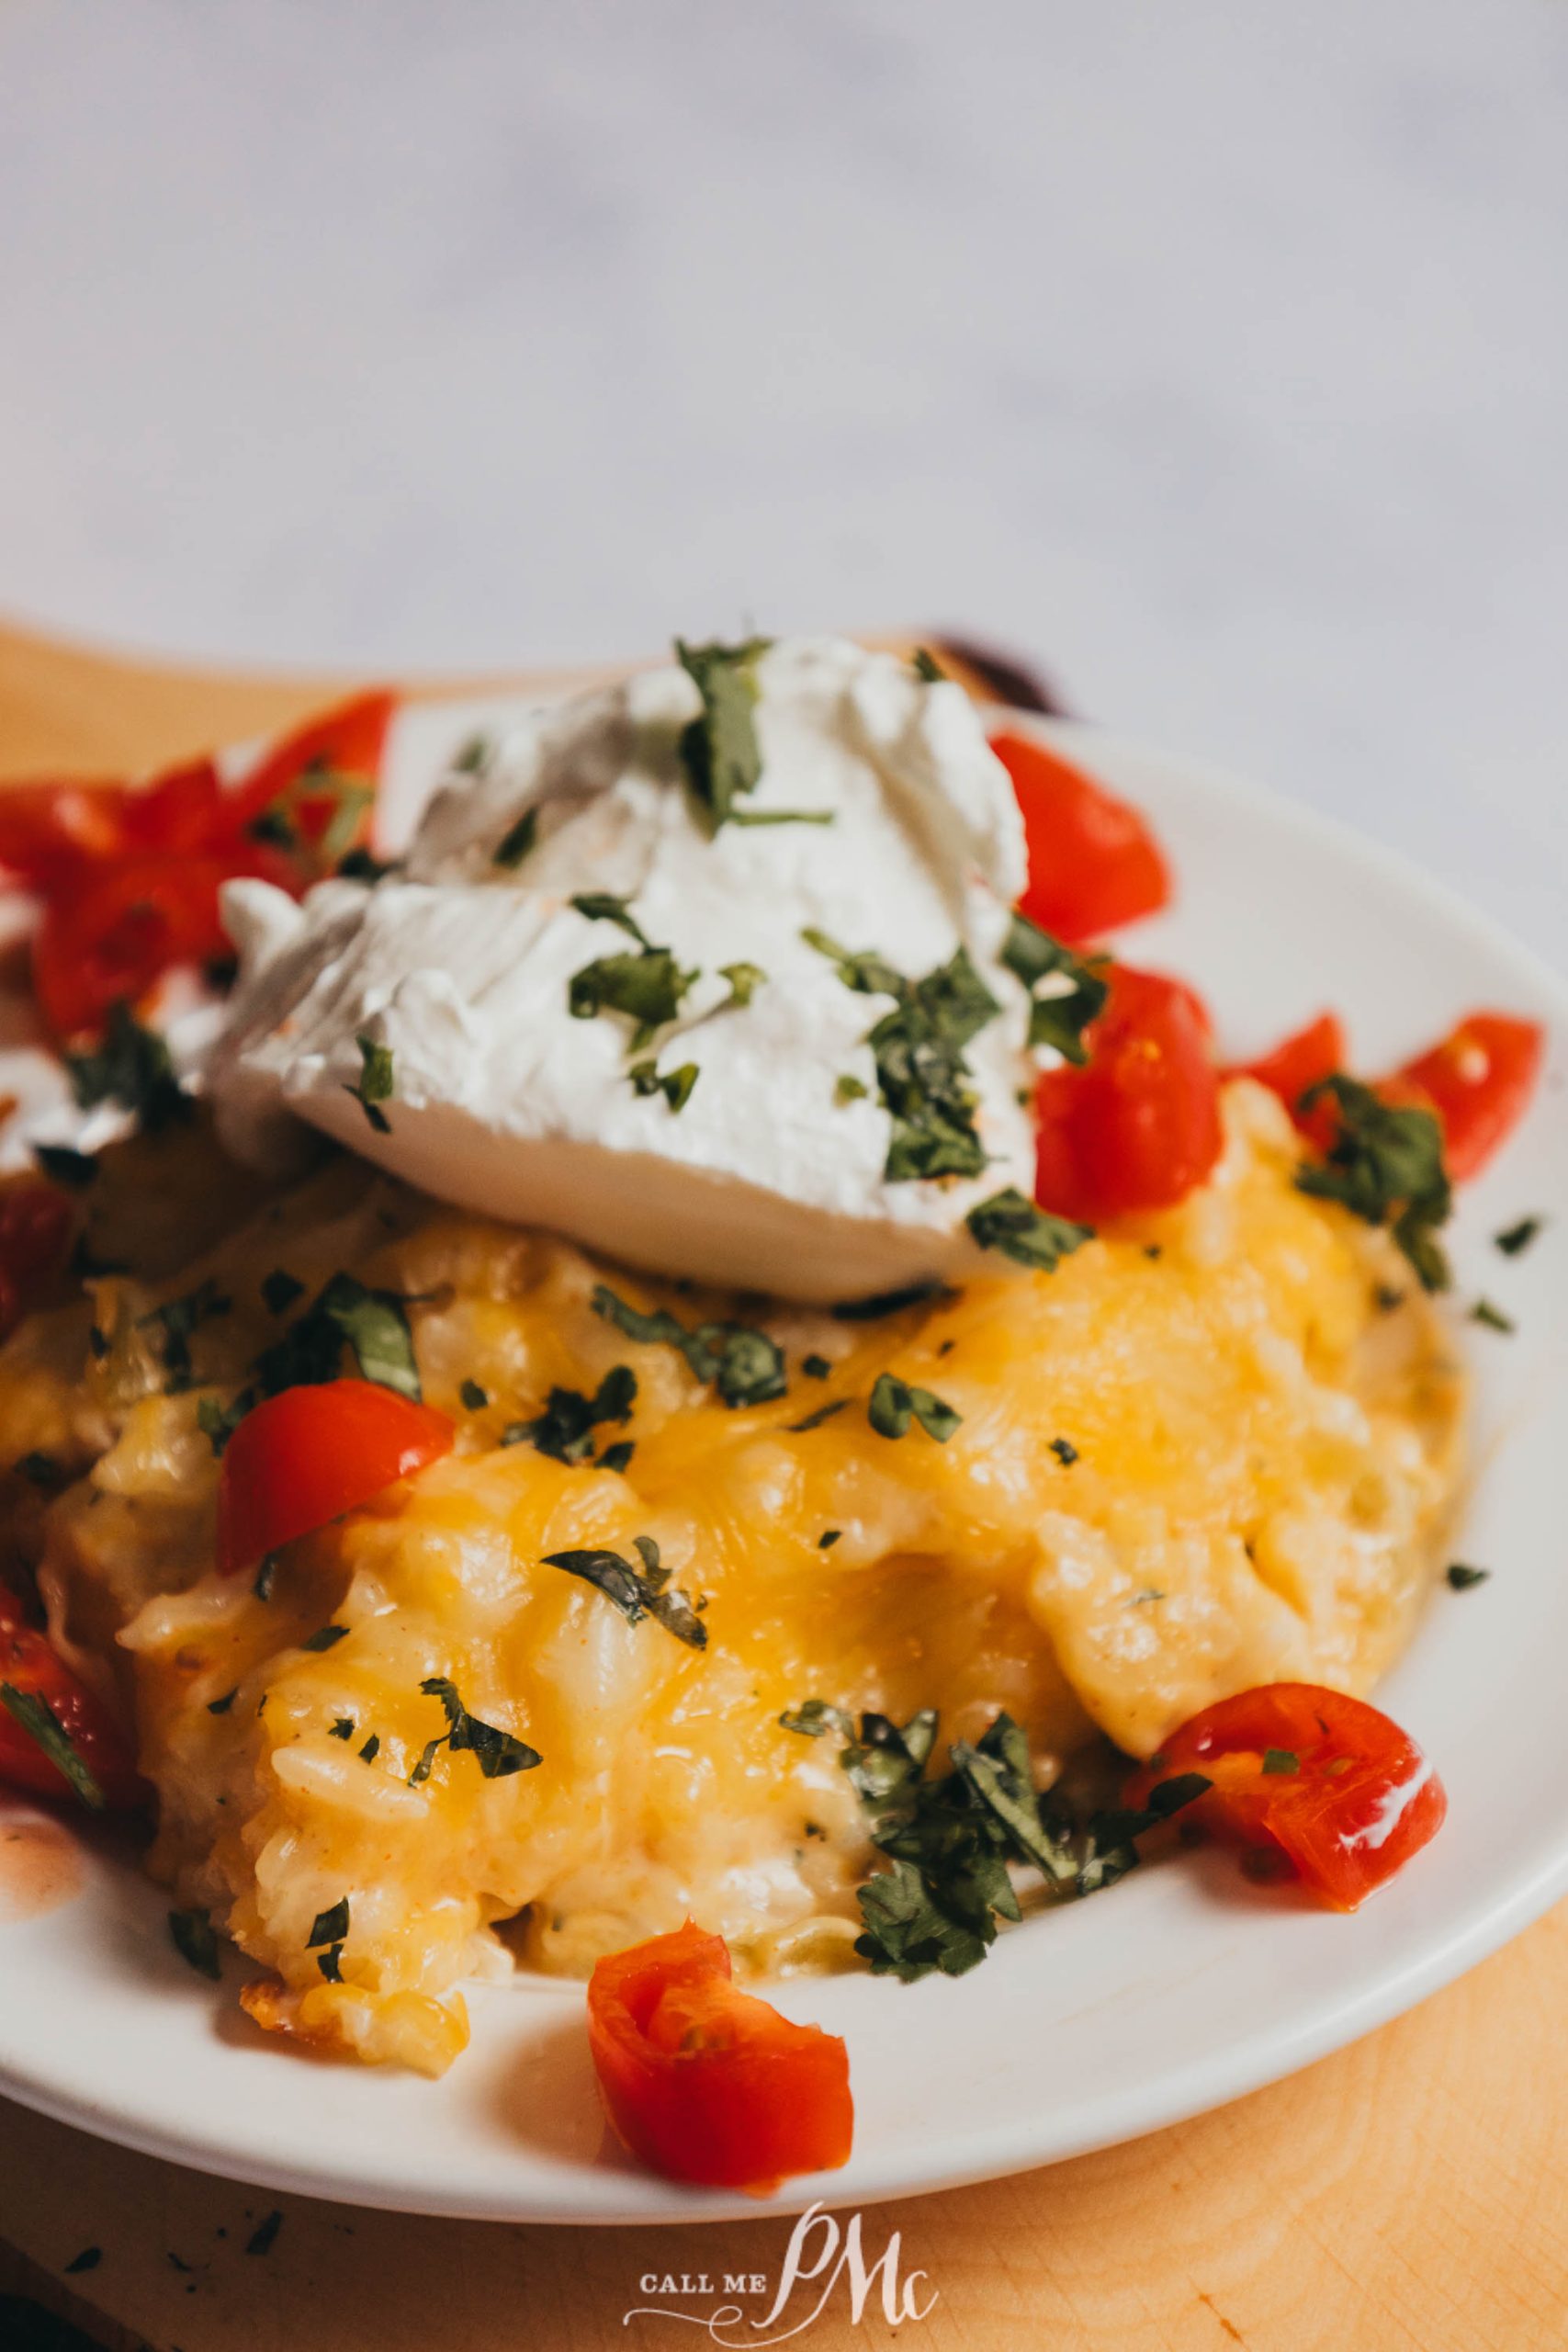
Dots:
pixel 1213 351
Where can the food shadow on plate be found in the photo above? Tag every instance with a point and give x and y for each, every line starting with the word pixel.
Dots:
pixel 545 2098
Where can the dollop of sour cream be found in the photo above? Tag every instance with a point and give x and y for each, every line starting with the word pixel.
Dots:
pixel 772 1172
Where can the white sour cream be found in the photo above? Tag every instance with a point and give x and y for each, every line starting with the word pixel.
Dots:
pixel 505 1103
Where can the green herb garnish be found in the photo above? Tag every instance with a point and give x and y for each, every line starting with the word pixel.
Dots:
pixel 890 1302
pixel 376 1082
pixel 720 750
pixel 637 1593
pixel 1493 1317
pixel 497 1753
pixel 192 1936
pixel 221 1706
pixel 474 1398
pixel 1516 1237
pixel 1066 1452
pixel 1060 1018
pixel 1461 1578
pixel 744 1365
pixel 517 839
pixel 179 1318
pixel 926 667
pixel 73 1170
pixel 602 906
pixel 1280 1760
pixel 814 1716
pixel 371 1748
pixel 645 987
pixel 847 1087
pixel 330 1962
pixel 34 1716
pixel 342 1728
pixel 918 1051
pixel 565 1428
pixel 131 1067
pixel 895 1404
pixel 675 1085
pixel 816 1367
pixel 1013 1225
pixel 1385 1165
pixel 331 1926
pixel 280 1290
pixel 373 1323
pixel 815 1420
pixel 325 1638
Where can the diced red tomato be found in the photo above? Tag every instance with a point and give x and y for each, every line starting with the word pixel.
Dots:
pixel 129 876
pixel 1093 863
pixel 1302 1061
pixel 30 1668
pixel 35 1235
pixel 1479 1080
pixel 306 1456
pixel 708 2084
pixel 1329 1788
pixel 1139 1126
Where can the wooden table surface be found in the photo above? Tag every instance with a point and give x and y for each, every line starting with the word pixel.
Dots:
pixel 1409 2195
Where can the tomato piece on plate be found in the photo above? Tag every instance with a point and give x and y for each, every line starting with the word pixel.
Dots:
pixel 1303 1060
pixel 1479 1080
pixel 51 834
pixel 111 939
pixel 1138 1126
pixel 46 1712
pixel 35 1235
pixel 1093 863
pixel 708 2084
pixel 321 781
pixel 1327 1786
pixel 305 1457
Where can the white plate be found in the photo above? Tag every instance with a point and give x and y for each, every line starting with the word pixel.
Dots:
pixel 1179 1989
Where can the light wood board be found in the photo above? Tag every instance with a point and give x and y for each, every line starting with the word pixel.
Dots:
pixel 1409 2195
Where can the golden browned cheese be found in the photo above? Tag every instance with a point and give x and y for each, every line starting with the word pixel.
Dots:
pixel 1264 1452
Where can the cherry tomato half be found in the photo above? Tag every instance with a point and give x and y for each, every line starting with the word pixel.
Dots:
pixel 708 2084
pixel 343 744
pixel 1139 1126
pixel 1303 1060
pixel 122 931
pixel 1325 1785
pixel 1093 863
pixel 31 1670
pixel 1479 1080
pixel 306 1456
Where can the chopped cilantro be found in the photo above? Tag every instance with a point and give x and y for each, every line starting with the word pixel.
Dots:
pixel 376 1082
pixel 816 1367
pixel 474 1397
pixel 472 756
pixel 261 2238
pixel 217 1422
pixel 342 1728
pixel 329 1926
pixel 1385 1165
pixel 73 1170
pixel 847 1087
pixel 675 1085
pixel 890 1302
pixel 917 1050
pixel 221 1706
pixel 1280 1760
pixel 601 906
pixel 330 1964
pixel 617 1456
pixel 743 1363
pixel 497 1753
pixel 361 865
pixel 827 1538
pixel 132 1067
pixel 1492 1317
pixel 1516 1237
pixel 33 1714
pixel 373 1323
pixel 637 1593
pixel 517 839
pixel 718 749
pixel 326 1638
pixel 1461 1578
pixel 1060 1018
pixel 1066 1452
pixel 744 979
pixel 647 988
pixel 88 2259
pixel 280 1290
pixel 371 1748
pixel 894 1403
pixel 565 1428
pixel 815 1420
pixel 926 667
pixel 179 1319
pixel 1013 1225
pixel 192 1936
pixel 814 1716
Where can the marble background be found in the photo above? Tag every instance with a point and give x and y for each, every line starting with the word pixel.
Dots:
pixel 1216 351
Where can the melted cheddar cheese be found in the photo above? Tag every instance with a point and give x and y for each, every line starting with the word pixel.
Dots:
pixel 1257 1456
